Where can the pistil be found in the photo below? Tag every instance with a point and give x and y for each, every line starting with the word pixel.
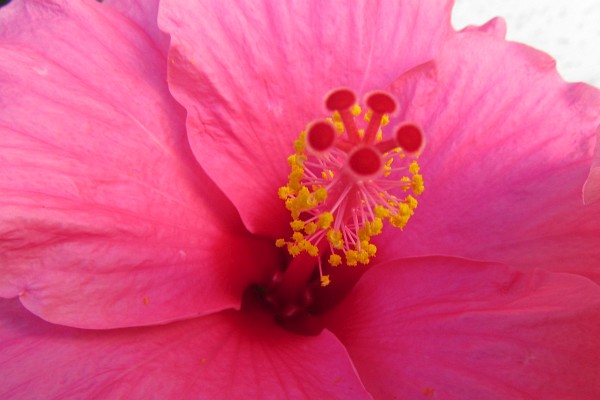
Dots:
pixel 342 186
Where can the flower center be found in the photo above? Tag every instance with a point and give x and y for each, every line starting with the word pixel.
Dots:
pixel 346 180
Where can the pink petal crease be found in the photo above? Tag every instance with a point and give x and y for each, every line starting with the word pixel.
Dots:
pixel 509 146
pixel 106 220
pixel 228 355
pixel 253 75
pixel 591 188
pixel 142 13
pixel 440 327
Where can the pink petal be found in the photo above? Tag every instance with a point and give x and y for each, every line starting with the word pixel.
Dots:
pixel 258 73
pixel 456 329
pixel 106 218
pixel 591 188
pixel 228 355
pixel 509 145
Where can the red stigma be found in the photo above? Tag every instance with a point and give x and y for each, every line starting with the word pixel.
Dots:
pixel 340 99
pixel 365 161
pixel 320 135
pixel 381 103
pixel 409 137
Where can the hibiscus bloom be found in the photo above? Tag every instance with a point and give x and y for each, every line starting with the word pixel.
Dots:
pixel 139 207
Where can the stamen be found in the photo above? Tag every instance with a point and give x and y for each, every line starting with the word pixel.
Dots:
pixel 342 187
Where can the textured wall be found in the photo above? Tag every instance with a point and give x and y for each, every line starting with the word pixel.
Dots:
pixel 569 30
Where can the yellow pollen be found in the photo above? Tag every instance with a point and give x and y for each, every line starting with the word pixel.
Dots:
pixel 385 120
pixel 280 243
pixel 297 225
pixel 325 280
pixel 300 144
pixel 335 238
pixel 334 260
pixel 284 192
pixel 381 212
pixel 310 228
pixel 298 237
pixel 417 184
pixel 414 168
pixel 352 258
pixel 325 220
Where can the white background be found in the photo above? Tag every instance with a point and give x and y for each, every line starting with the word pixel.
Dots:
pixel 568 30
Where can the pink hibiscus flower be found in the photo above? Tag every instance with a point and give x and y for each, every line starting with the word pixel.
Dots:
pixel 139 209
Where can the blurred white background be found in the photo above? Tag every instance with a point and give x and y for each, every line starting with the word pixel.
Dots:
pixel 568 30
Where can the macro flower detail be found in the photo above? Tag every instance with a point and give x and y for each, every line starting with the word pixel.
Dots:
pixel 343 178
pixel 143 145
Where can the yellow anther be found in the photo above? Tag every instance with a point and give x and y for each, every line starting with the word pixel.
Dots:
pixel 411 201
pixel 293 249
pixel 296 159
pixel 381 212
pixel 284 192
pixel 325 220
pixel 310 228
pixel 298 237
pixel 371 249
pixel 327 174
pixel 356 110
pixel 320 195
pixel 334 260
pixel 399 221
pixel 363 233
pixel 352 258
pixel 339 127
pixel 297 224
pixel 414 168
pixel 417 184
pixel 325 280
pixel 404 209
pixel 363 257
pixel 385 120
pixel 294 178
pixel 292 160
pixel 289 204
pixel 280 243
pixel 368 116
pixel 303 195
pixel 311 249
pixel 336 116
pixel 379 136
pixel 300 143
pixel 376 226
pixel 335 238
